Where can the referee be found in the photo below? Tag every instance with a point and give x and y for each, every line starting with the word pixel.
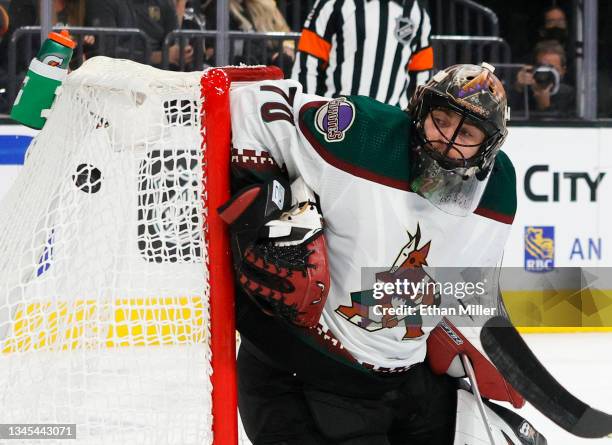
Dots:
pixel 376 48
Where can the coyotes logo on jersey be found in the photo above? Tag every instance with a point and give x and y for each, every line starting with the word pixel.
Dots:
pixel 370 312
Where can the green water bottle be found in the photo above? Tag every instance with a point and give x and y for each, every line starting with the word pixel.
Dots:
pixel 46 72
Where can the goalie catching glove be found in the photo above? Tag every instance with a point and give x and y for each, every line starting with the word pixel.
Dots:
pixel 279 250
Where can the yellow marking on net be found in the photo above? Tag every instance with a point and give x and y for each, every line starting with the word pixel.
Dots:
pixel 87 324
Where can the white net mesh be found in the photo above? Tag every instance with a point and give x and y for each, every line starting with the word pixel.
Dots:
pixel 103 289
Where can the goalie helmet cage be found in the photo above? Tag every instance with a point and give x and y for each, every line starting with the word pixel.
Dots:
pixel 116 290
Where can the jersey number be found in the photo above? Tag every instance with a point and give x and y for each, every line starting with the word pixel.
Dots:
pixel 278 111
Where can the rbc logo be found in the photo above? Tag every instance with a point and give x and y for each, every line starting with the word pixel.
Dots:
pixel 539 248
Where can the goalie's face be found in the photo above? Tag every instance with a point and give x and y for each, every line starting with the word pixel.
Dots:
pixel 451 135
pixel 445 164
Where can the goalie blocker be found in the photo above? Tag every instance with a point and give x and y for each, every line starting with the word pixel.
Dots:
pixel 279 249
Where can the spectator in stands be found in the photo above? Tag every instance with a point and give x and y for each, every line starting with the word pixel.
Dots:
pixel 180 6
pixel 555 26
pixel 257 16
pixel 27 13
pixel 208 10
pixel 296 12
pixel 373 48
pixel 188 17
pixel 4 21
pixel 262 16
pixel 542 85
pixel 191 20
pixel 156 18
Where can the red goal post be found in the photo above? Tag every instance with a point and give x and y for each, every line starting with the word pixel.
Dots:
pixel 216 84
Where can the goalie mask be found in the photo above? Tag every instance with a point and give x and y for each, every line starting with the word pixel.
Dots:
pixel 460 120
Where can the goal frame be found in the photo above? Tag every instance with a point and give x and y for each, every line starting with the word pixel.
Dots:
pixel 216 139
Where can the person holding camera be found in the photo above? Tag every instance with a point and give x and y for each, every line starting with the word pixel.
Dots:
pixel 539 88
pixel 554 26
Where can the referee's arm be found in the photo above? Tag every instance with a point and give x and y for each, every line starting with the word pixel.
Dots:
pixel 422 60
pixel 315 46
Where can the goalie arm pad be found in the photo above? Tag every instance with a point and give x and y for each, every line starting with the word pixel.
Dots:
pixel 444 346
pixel 280 255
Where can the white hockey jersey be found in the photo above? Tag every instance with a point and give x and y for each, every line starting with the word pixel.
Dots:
pixel 355 153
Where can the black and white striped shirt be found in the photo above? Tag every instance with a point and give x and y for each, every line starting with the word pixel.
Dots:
pixel 377 48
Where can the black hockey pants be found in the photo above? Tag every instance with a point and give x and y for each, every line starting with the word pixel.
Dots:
pixel 278 407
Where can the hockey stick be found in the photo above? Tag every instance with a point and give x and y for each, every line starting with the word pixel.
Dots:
pixel 467 365
pixel 511 355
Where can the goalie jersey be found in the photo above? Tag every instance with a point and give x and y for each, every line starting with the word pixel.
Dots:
pixel 355 153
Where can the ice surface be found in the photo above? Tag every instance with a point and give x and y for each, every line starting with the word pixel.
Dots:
pixel 582 363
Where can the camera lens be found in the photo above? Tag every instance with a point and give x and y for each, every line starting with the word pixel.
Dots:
pixel 545 75
pixel 543 78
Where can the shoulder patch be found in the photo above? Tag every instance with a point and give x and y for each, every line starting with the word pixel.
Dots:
pixel 499 199
pixel 360 136
pixel 334 119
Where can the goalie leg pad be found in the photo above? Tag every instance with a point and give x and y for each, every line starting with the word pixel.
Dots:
pixel 506 426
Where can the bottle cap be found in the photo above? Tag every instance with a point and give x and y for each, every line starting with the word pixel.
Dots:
pixel 63 38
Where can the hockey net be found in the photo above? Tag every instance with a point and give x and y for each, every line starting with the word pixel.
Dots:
pixel 108 249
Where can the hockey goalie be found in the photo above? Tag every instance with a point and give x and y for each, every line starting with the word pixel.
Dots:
pixel 334 197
